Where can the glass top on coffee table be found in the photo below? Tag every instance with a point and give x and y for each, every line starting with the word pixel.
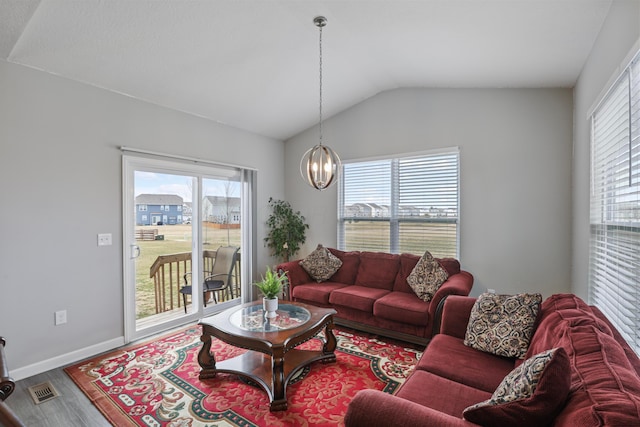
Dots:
pixel 253 318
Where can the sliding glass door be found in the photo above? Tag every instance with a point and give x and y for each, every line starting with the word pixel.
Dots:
pixel 177 215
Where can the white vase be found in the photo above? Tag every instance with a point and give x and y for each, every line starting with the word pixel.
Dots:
pixel 270 306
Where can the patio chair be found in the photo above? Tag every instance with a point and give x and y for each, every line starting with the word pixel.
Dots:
pixel 219 279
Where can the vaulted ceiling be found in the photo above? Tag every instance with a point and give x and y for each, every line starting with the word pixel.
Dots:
pixel 253 64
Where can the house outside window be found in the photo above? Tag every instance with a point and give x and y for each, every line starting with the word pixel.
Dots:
pixel 405 204
pixel 162 209
pixel 614 264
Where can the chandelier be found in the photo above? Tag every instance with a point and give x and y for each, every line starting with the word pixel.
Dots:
pixel 320 165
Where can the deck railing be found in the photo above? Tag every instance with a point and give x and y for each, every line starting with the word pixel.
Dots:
pixel 168 277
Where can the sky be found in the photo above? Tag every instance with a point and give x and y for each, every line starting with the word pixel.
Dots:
pixel 180 185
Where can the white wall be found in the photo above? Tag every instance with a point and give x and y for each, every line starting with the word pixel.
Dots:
pixel 515 157
pixel 60 181
pixel 618 37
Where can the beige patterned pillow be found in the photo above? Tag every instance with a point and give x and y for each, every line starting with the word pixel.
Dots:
pixel 426 277
pixel 503 324
pixel 321 264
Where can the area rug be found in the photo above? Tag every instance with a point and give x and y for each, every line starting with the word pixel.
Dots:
pixel 156 383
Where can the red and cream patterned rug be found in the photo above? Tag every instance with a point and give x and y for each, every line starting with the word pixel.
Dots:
pixel 156 383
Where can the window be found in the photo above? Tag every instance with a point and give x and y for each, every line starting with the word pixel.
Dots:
pixel 614 276
pixel 402 204
pixel 142 208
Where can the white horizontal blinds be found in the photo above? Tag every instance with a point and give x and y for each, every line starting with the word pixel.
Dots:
pixel 428 204
pixel 365 207
pixel 614 281
pixel 405 204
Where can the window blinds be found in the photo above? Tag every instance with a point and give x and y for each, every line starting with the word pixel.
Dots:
pixel 614 279
pixel 405 204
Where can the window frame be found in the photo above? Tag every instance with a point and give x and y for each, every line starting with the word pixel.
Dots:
pixel 614 235
pixel 397 216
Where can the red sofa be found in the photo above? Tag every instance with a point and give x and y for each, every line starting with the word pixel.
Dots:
pixel 370 293
pixel 604 373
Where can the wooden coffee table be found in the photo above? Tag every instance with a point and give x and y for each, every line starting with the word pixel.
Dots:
pixel 246 327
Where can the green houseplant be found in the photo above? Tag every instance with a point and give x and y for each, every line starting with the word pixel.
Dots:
pixel 270 286
pixel 287 230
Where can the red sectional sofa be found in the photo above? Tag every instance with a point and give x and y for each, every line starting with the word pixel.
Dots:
pixel 370 292
pixel 604 373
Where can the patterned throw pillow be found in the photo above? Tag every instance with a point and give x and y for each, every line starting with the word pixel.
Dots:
pixel 530 395
pixel 503 324
pixel 426 277
pixel 321 264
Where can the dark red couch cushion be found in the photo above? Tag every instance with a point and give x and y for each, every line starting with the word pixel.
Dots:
pixel 357 297
pixel 407 264
pixel 316 292
pixel 440 393
pixel 473 367
pixel 452 265
pixel 377 270
pixel 605 389
pixel 350 263
pixel 402 307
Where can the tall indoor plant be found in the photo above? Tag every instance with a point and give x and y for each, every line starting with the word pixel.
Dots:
pixel 287 230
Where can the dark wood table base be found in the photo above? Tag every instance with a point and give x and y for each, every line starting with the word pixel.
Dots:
pixel 271 369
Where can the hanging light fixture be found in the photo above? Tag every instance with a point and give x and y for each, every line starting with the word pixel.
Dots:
pixel 320 165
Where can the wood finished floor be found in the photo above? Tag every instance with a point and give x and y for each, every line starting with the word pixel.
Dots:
pixel 71 409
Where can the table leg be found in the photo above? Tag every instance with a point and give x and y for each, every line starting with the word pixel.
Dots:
pixel 206 359
pixel 330 343
pixel 279 402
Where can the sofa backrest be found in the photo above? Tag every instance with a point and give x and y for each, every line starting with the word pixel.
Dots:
pixel 371 269
pixel 377 270
pixel 349 270
pixel 605 389
pixel 605 386
pixel 408 263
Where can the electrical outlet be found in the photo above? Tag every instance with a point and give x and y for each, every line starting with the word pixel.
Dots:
pixel 104 239
pixel 60 317
pixel 491 291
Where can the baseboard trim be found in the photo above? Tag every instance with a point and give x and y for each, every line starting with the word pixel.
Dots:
pixel 65 359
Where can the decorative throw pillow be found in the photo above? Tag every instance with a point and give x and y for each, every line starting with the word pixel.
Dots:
pixel 531 395
pixel 503 324
pixel 426 277
pixel 321 264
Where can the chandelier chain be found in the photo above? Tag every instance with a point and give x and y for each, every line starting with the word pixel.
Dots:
pixel 320 75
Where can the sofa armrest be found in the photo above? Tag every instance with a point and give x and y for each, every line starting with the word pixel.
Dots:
pixel 295 273
pixel 455 315
pixel 457 284
pixel 371 408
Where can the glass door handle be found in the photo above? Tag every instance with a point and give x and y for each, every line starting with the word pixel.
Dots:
pixel 135 251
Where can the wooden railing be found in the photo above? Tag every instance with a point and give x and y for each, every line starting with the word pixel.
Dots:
pixel 168 277
pixel 7 385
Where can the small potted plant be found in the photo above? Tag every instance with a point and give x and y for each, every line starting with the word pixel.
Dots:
pixel 271 285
